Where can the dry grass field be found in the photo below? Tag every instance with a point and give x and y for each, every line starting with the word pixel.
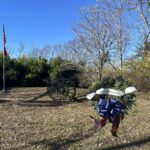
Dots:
pixel 42 125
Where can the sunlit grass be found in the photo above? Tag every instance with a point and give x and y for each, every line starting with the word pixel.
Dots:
pixel 69 127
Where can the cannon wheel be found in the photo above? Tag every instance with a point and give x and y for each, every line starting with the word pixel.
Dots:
pixel 61 90
pixel 71 91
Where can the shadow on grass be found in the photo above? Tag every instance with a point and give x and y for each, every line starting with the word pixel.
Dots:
pixel 4 101
pixel 35 100
pixel 59 143
pixel 39 103
pixel 138 142
pixel 65 143
pixel 42 103
pixel 45 103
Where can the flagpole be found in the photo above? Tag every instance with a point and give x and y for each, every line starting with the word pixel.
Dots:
pixel 3 60
pixel 3 73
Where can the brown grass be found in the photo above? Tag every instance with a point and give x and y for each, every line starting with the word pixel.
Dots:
pixel 68 126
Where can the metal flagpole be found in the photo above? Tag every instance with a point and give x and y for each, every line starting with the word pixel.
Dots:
pixel 4 55
pixel 3 73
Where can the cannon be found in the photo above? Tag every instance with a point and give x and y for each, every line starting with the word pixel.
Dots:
pixel 62 89
pixel 64 86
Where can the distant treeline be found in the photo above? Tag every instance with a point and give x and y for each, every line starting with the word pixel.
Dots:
pixel 29 71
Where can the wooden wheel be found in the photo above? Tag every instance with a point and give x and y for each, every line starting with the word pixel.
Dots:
pixel 61 90
pixel 57 91
pixel 71 91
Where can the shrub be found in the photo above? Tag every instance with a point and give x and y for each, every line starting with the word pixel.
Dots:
pixel 108 82
pixel 117 82
pixel 96 85
pixel 121 83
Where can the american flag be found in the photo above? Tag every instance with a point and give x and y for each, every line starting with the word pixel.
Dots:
pixel 4 41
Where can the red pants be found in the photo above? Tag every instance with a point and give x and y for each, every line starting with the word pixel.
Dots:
pixel 115 125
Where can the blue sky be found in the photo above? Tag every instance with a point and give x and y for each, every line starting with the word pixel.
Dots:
pixel 37 23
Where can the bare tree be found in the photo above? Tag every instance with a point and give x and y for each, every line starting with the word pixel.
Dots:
pixel 76 52
pixel 143 49
pixel 121 34
pixel 79 56
pixel 117 10
pixel 143 9
pixel 94 34
pixel 46 52
pixel 21 49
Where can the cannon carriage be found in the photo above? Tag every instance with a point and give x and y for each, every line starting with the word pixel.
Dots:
pixel 63 88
